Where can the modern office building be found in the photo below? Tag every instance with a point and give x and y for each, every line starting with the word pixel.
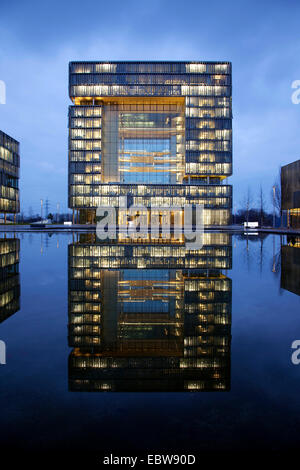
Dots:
pixel 159 133
pixel 290 193
pixel 9 175
pixel 165 327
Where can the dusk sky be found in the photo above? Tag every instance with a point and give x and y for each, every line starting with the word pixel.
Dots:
pixel 260 38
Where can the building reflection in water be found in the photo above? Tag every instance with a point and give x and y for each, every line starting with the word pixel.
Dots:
pixel 151 317
pixel 290 265
pixel 9 277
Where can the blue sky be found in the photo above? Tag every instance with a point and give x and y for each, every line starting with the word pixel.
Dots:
pixel 38 39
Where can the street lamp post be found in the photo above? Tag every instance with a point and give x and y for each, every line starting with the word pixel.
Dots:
pixel 274 189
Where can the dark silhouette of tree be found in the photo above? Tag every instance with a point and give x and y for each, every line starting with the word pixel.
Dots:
pixel 262 205
pixel 248 203
pixel 276 194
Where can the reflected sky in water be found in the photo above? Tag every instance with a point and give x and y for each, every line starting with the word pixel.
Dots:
pixel 241 299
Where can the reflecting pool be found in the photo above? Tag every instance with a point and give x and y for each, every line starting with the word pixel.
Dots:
pixel 147 347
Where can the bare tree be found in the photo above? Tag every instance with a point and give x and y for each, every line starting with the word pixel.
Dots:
pixel 248 203
pixel 276 195
pixel 262 205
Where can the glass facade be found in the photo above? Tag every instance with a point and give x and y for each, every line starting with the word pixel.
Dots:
pixel 290 193
pixel 165 327
pixel 290 265
pixel 158 128
pixel 9 174
pixel 9 277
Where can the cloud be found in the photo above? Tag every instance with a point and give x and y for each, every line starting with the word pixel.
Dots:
pixel 39 39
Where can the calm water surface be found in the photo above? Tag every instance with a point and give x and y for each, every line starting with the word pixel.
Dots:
pixel 136 349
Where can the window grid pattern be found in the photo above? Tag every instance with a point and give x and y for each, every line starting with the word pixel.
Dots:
pixel 134 139
pixel 9 174
pixel 150 329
